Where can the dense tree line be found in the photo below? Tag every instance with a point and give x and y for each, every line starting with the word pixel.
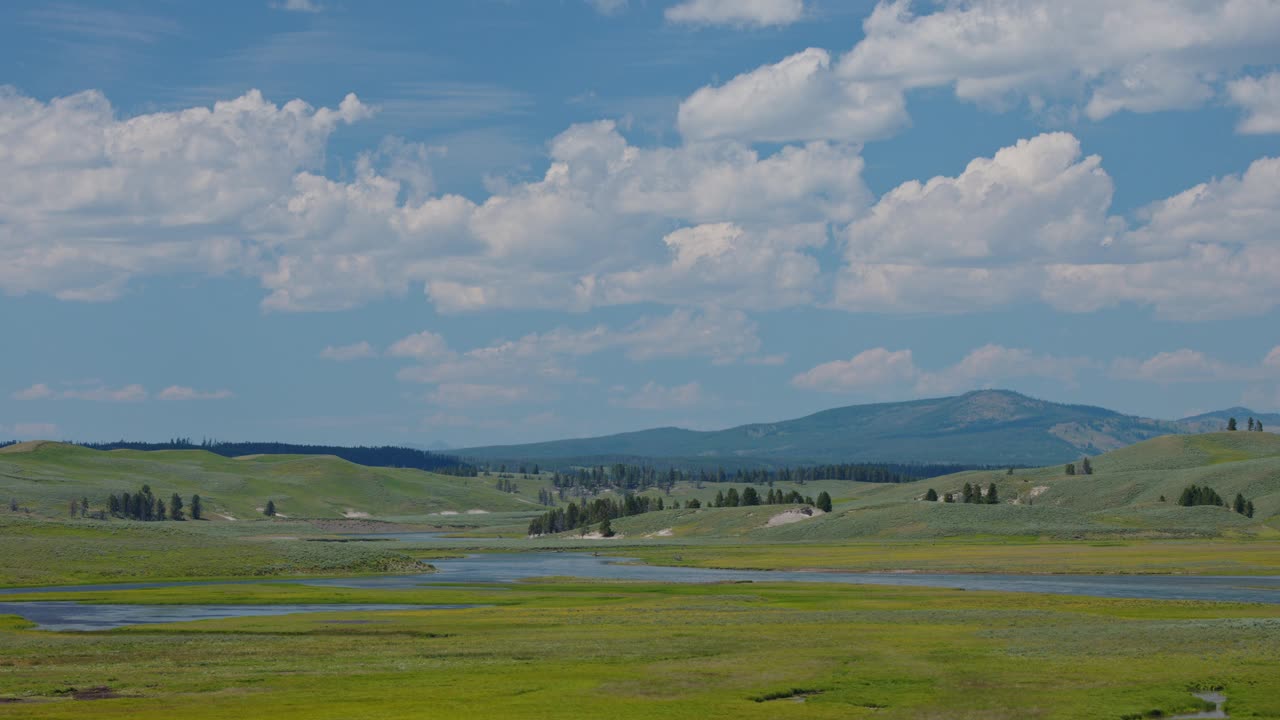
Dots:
pixel 144 505
pixel 600 510
pixel 382 456
pixel 635 478
pixel 1193 495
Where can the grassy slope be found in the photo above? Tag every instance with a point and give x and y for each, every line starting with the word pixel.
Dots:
pixel 47 476
pixel 1122 497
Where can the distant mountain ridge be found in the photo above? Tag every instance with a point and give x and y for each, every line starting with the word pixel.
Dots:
pixel 984 427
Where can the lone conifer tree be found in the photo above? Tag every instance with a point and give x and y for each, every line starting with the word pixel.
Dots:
pixel 931 496
pixel 1231 424
pixel 270 510
pixel 824 501
pixel 196 508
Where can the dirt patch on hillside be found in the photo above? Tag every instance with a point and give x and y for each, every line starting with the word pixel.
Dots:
pixel 791 516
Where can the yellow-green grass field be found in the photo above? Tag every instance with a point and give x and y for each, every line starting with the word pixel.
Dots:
pixel 622 650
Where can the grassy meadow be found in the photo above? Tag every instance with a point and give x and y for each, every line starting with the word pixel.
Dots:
pixel 625 650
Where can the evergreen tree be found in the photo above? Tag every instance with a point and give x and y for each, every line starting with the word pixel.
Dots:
pixel 949 498
pixel 750 496
pixel 161 510
pixel 270 510
pixel 1248 509
pixel 693 504
pixel 1086 467
pixel 1231 424
pixel 175 507
pixel 84 507
pixel 606 529
pixel 1010 472
pixel 1258 427
pixel 1070 468
pixel 1238 505
pixel 824 501
pixel 966 494
pixel 931 496
pixel 719 502
pixel 732 498
pixel 196 508
pixel 75 508
pixel 1250 424
pixel 992 497
pixel 113 504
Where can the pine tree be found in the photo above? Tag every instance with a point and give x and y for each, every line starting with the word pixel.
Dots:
pixel 84 507
pixel 1250 424
pixel 175 507
pixel 750 496
pixel 606 529
pixel 1259 426
pixel 1070 468
pixel 1086 467
pixel 693 504
pixel 992 497
pixel 931 496
pixel 719 502
pixel 196 508
pixel 824 501
pixel 1231 424
pixel 161 510
pixel 113 504
pixel 967 493
pixel 1238 505
pixel 270 510
pixel 1248 509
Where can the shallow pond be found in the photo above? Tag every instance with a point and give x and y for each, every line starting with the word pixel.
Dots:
pixel 78 616
pixel 512 567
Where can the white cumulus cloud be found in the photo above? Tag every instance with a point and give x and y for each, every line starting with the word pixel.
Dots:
pixel 1260 99
pixel 344 353
pixel 655 396
pixel 739 13
pixel 181 392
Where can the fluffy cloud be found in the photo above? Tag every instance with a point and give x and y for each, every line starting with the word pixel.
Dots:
pixel 1056 57
pixel 717 335
pixel 880 370
pixel 420 346
pixel 181 392
pixel 89 201
pixel 344 353
pixel 1032 222
pixel 798 98
pixel 1260 98
pixel 91 391
pixel 749 13
pixel 655 396
pixel 39 391
pixel 102 393
pixel 875 368
pixel 309 6
pixel 1190 366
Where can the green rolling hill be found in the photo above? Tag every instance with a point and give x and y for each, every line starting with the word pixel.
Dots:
pixel 1121 498
pixel 46 476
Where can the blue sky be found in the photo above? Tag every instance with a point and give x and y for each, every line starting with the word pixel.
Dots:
pixel 506 220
